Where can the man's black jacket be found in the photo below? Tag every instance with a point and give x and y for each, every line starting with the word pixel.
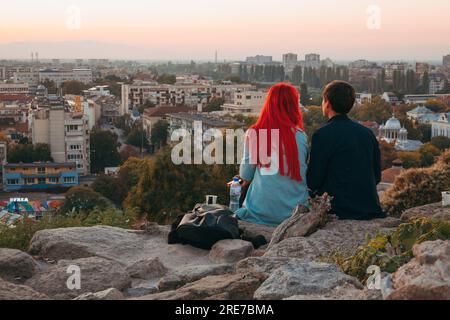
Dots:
pixel 345 162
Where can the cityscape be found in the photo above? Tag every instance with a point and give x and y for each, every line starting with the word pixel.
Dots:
pixel 86 139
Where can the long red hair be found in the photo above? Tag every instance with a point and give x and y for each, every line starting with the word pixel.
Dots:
pixel 281 111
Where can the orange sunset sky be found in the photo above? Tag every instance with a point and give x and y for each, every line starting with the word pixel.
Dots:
pixel 177 29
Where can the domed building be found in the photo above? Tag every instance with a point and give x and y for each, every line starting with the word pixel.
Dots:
pixel 393 131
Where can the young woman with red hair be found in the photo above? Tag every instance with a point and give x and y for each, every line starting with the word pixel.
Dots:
pixel 274 160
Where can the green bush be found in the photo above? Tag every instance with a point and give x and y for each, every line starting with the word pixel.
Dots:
pixel 389 252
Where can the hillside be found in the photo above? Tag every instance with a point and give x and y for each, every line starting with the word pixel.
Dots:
pixel 118 263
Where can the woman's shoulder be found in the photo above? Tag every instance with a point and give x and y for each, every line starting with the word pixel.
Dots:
pixel 301 134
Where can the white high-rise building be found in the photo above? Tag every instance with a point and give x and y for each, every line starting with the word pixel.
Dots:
pixel 259 59
pixel 312 60
pixel 59 76
pixel 446 61
pixel 290 58
pixel 67 133
pixel 248 102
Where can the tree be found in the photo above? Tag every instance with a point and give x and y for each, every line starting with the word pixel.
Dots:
pixel 73 87
pixel 304 95
pixel 297 75
pixel 137 137
pixel 410 159
pixel 442 143
pixel 425 87
pixel 428 153
pixel 163 189
pixel 128 152
pixel 388 154
pixel 82 199
pixel 167 79
pixel 104 152
pixel 50 85
pixel 376 110
pixel 28 153
pixel 214 105
pixel 436 106
pixel 159 133
pixel 111 188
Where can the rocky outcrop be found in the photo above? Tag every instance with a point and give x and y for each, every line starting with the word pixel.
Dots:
pixel 338 236
pixel 229 287
pixel 11 291
pixel 305 278
pixel 230 251
pixel 147 269
pixel 96 274
pixel 124 246
pixel 434 211
pixel 427 276
pixel 304 221
pixel 109 294
pixel 179 277
pixel 125 264
pixel 16 265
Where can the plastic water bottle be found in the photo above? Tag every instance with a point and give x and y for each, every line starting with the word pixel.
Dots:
pixel 235 194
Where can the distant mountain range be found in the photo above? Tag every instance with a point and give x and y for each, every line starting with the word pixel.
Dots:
pixel 73 50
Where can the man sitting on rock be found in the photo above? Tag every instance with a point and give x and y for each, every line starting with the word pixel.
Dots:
pixel 345 158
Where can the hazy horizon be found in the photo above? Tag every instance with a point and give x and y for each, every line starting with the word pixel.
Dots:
pixel 183 30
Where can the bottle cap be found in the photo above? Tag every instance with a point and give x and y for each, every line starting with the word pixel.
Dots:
pixel 235 179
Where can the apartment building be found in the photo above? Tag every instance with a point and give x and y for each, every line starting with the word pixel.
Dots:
pixel 437 82
pixel 7 73
pixel 139 93
pixel 67 133
pixel 446 61
pixel 152 115
pixel 247 103
pixel 38 176
pixel 14 88
pixel 259 59
pixel 58 76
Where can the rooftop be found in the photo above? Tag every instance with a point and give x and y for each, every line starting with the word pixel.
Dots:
pixel 41 165
pixel 164 110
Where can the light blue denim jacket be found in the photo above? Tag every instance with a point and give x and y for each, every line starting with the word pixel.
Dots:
pixel 271 198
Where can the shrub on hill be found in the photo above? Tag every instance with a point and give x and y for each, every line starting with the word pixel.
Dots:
pixel 416 187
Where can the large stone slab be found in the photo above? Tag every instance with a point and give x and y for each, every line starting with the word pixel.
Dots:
pixel 124 246
pixel 434 211
pixel 230 251
pixel 304 278
pixel 96 274
pixel 16 265
pixel 147 269
pixel 343 236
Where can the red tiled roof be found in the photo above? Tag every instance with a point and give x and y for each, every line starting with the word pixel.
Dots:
pixel 164 110
pixel 389 175
pixel 16 97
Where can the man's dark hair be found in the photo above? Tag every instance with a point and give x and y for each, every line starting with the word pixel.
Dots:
pixel 341 96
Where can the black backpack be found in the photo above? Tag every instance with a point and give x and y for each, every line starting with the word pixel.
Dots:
pixel 204 226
